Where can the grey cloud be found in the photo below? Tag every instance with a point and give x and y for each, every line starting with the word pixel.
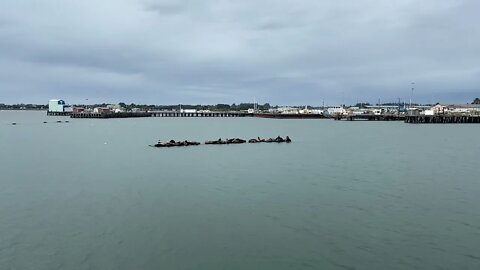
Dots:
pixel 212 51
pixel 166 8
pixel 271 25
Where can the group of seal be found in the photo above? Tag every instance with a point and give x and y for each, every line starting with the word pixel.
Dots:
pixel 172 143
pixel 271 140
pixel 227 141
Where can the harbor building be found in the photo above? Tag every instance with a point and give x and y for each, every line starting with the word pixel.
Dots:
pixel 336 110
pixel 58 107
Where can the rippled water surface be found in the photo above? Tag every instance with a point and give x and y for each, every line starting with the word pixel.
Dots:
pixel 91 194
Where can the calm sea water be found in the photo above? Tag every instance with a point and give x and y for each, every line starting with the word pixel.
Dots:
pixel 91 194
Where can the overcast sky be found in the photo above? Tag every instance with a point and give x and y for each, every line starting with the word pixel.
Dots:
pixel 218 51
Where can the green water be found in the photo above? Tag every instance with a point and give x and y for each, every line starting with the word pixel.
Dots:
pixel 91 194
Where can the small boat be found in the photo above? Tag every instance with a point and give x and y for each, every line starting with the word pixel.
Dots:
pixel 14 124
pixel 44 122
pixel 59 121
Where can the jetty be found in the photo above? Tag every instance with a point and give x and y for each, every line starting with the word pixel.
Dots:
pixel 110 115
pixel 443 119
pixel 370 117
pixel 215 114
pixel 52 113
pixel 199 114
pixel 289 115
pixel 414 114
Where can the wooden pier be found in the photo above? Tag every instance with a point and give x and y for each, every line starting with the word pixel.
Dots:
pixel 194 114
pixel 411 119
pixel 49 113
pixel 199 114
pixel 158 114
pixel 370 117
pixel 110 115
pixel 289 116
pixel 443 119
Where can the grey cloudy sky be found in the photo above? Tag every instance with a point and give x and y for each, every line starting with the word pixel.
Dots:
pixel 219 51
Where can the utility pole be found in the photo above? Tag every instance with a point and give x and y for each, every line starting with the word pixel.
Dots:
pixel 411 96
pixel 399 108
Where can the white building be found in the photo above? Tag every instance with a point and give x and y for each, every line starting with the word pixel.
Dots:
pixel 338 110
pixel 377 111
pixel 116 108
pixel 58 105
pixel 428 112
pixel 439 109
pixel 287 110
pixel 188 110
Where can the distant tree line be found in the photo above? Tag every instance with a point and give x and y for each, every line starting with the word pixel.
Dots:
pixel 23 106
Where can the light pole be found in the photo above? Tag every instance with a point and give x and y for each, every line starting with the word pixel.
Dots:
pixel 411 96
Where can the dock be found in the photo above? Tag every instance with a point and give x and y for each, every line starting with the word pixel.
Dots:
pixel 49 113
pixel 110 115
pixel 289 116
pixel 198 114
pixel 235 114
pixel 214 114
pixel 443 119
pixel 156 114
pixel 411 119
pixel 370 117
